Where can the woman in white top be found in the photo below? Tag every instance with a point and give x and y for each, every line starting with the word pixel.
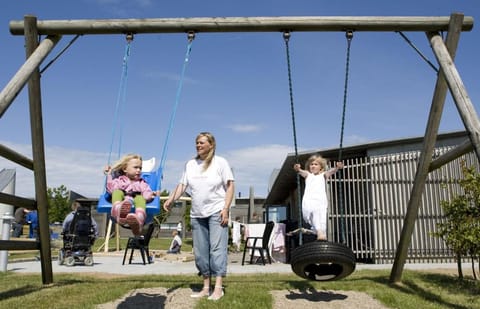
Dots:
pixel 210 181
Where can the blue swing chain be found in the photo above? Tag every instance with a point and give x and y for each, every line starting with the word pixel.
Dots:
pixel 191 37
pixel 121 99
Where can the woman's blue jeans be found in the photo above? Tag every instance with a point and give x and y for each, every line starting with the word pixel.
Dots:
pixel 210 245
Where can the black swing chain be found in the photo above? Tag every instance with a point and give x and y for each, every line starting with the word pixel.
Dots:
pixel 349 36
pixel 418 51
pixel 286 37
pixel 60 53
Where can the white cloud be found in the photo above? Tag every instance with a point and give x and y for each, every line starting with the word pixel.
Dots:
pixel 78 170
pixel 141 3
pixel 354 139
pixel 253 166
pixel 170 77
pixel 123 9
pixel 245 128
pixel 81 171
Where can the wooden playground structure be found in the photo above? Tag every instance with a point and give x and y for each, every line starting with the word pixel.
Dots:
pixel 37 50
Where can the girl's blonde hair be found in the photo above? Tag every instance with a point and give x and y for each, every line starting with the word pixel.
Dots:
pixel 321 160
pixel 121 164
pixel 211 153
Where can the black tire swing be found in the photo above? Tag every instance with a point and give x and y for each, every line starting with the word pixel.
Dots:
pixel 320 260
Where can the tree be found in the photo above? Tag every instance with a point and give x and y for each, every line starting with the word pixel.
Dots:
pixel 58 203
pixel 461 228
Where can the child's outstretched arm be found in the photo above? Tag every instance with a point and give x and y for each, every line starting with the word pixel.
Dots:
pixel 107 171
pixel 330 172
pixel 297 167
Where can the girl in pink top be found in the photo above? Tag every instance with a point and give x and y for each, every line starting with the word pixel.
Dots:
pixel 127 187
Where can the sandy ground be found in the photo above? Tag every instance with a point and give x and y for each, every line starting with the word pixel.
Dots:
pixel 180 299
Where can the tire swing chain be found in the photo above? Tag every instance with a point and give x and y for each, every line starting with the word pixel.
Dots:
pixel 286 37
pixel 324 260
pixel 349 36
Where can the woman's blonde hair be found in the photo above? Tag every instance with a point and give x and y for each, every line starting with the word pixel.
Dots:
pixel 321 160
pixel 121 164
pixel 211 153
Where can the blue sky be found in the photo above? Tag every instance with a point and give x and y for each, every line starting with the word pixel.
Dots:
pixel 236 87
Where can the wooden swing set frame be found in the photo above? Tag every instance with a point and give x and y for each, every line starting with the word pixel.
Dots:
pixel 36 52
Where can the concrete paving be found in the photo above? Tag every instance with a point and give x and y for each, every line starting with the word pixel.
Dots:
pixel 171 265
pixel 184 265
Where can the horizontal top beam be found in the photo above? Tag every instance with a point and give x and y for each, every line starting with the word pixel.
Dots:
pixel 241 24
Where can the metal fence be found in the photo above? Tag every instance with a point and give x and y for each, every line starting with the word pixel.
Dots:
pixel 368 210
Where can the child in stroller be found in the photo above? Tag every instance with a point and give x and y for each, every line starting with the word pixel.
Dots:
pixel 79 234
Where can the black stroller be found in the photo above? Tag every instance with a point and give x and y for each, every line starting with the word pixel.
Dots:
pixel 78 239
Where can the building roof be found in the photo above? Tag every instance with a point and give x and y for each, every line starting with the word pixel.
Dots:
pixel 285 181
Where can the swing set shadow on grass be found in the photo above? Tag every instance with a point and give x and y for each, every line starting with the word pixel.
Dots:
pixel 37 51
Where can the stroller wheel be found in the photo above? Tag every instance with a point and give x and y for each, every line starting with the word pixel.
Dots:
pixel 70 261
pixel 61 256
pixel 88 261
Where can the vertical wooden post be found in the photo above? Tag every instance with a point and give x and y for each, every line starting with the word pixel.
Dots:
pixel 106 244
pixel 38 151
pixel 117 236
pixel 107 236
pixel 431 132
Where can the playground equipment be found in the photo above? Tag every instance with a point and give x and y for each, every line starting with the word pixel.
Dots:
pixel 37 51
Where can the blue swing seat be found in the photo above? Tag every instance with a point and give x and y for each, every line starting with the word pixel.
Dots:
pixel 153 207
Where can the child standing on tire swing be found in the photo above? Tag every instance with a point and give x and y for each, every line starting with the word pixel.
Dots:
pixel 127 187
pixel 315 201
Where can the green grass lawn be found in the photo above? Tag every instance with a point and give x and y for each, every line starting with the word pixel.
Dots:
pixel 418 289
